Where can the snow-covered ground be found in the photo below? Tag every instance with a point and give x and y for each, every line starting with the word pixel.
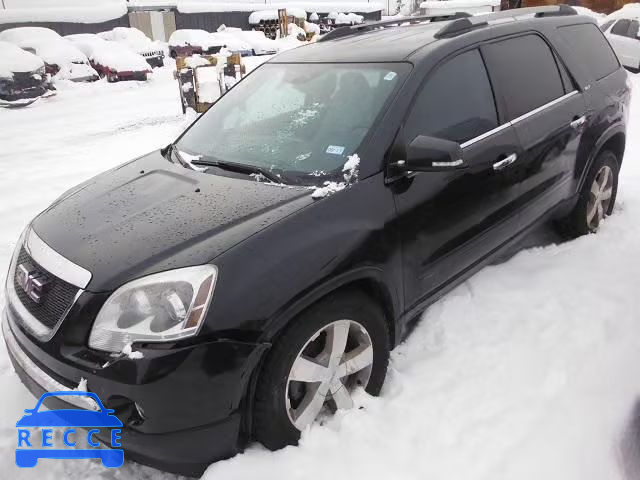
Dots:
pixel 527 371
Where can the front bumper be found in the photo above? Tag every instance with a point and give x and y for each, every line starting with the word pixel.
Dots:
pixel 183 410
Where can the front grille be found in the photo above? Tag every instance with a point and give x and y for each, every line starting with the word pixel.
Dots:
pixel 56 300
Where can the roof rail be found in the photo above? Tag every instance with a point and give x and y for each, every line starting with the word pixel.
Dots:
pixel 368 26
pixel 463 25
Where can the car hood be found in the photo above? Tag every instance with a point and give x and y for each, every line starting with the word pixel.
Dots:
pixel 150 215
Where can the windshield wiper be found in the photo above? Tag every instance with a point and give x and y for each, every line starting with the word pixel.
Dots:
pixel 240 167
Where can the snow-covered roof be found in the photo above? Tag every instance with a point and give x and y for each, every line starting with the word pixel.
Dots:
pixel 14 59
pixel 25 36
pixel 319 6
pixel 75 11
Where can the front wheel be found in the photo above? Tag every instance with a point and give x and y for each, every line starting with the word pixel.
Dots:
pixel 335 347
pixel 597 198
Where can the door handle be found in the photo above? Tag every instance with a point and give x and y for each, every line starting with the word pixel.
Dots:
pixel 505 162
pixel 578 123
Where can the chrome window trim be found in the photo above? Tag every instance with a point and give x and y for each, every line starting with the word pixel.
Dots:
pixel 55 263
pixel 519 119
pixel 38 375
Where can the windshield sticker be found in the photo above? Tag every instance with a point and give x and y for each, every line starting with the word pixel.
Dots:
pixel 390 76
pixel 335 150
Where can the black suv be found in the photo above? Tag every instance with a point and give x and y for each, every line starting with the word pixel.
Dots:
pixel 244 280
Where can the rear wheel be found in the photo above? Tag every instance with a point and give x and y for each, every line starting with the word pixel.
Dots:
pixel 597 198
pixel 335 347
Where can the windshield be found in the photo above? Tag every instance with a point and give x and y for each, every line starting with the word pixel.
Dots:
pixel 301 120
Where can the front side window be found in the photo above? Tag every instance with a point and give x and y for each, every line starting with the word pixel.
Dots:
pixel 605 26
pixel 526 71
pixel 299 121
pixel 456 103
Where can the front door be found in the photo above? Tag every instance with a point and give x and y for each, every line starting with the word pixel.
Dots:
pixel 450 220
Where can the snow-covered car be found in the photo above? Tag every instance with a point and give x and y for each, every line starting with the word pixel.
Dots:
pixel 186 42
pixel 240 40
pixel 62 59
pixel 136 41
pixel 621 29
pixel 111 59
pixel 22 75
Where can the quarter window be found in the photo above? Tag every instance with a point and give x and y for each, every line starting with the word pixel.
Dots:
pixel 591 49
pixel 456 103
pixel 526 72
pixel 621 27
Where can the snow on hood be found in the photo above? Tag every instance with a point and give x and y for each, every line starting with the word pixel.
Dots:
pixel 14 59
pixel 109 54
pixel 58 52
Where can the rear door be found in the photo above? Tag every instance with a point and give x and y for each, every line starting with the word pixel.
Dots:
pixel 548 114
pixel 449 220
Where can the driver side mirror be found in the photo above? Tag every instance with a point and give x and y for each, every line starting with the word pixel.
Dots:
pixel 430 154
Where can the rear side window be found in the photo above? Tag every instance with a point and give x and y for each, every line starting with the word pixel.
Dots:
pixel 526 73
pixel 621 27
pixel 456 103
pixel 591 49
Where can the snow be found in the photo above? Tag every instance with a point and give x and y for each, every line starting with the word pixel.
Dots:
pixel 318 6
pixel 262 15
pixel 346 18
pixel 14 59
pixel 128 352
pixel 451 6
pixel 526 371
pixel 589 13
pixel 132 38
pixel 193 37
pixel 254 39
pixel 350 172
pixel 82 385
pixel 108 54
pixel 76 11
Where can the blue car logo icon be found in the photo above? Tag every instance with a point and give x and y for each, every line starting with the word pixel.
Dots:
pixel 28 451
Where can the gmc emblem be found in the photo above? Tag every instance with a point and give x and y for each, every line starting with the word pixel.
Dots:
pixel 32 281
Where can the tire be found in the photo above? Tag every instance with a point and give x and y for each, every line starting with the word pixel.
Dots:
pixel 280 399
pixel 587 216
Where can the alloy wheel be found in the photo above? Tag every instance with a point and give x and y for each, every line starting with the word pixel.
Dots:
pixel 336 360
pixel 600 197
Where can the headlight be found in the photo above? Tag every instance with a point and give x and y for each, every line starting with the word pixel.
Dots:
pixel 163 307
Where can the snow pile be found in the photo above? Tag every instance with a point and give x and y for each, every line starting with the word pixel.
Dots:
pixel 82 385
pixel 350 173
pixel 75 11
pixel 257 41
pixel 109 54
pixel 193 37
pixel 296 32
pixel 264 15
pixel 630 10
pixel 14 59
pixel 24 37
pixel 133 39
pixel 345 18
